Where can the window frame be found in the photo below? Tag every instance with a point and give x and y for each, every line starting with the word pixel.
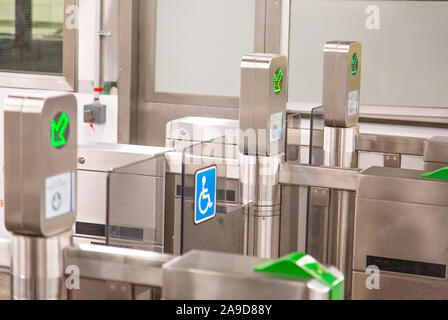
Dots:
pixel 65 82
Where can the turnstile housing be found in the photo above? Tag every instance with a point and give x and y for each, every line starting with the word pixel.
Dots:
pixel 400 227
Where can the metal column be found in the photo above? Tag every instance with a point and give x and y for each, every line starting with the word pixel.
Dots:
pixel 40 182
pixel 262 143
pixel 341 94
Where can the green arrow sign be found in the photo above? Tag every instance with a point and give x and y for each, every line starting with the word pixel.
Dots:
pixel 59 131
pixel 278 81
pixel 354 64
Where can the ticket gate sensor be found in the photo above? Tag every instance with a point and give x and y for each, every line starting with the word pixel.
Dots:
pixel 342 83
pixel 262 143
pixel 40 177
pixel 341 94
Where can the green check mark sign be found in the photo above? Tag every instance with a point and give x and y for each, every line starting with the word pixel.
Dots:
pixel 59 131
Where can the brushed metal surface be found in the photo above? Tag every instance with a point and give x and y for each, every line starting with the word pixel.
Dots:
pixel 263 231
pixel 392 184
pixel 339 147
pixel 199 129
pixel 259 178
pixel 117 264
pixel 107 157
pixel 261 192
pixel 37 267
pixel 293 220
pixel 339 82
pixel 436 152
pixel 211 275
pixel 324 177
pixel 400 215
pixel 389 144
pixel 400 230
pixel 30 159
pixel 398 287
pixel 258 103
pixel 127 181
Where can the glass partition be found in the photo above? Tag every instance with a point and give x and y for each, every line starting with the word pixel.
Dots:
pixel 404 49
pixel 211 221
pixel 316 150
pixel 317 210
pixel 136 205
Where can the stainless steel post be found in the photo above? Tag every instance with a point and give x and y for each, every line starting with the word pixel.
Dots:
pixel 37 267
pixel 40 189
pixel 262 145
pixel 261 193
pixel 341 94
pixel 339 151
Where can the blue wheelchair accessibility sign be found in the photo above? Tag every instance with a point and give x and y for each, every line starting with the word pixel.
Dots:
pixel 205 194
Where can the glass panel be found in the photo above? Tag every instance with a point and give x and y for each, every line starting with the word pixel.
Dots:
pixel 317 213
pixel 404 49
pixel 7 13
pixel 317 136
pixel 199 45
pixel 31 36
pixel 136 205
pixel 224 231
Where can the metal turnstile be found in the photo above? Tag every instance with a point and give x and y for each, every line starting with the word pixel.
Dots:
pixel 400 231
pixel 127 274
pixel 40 190
pixel 435 153
pixel 122 188
pixel 202 275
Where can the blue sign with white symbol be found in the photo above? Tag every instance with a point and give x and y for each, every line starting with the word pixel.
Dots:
pixel 205 195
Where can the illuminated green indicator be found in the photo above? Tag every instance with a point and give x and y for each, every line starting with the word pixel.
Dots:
pixel 278 81
pixel 59 131
pixel 354 64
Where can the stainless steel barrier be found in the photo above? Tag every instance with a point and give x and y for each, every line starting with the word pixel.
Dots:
pixel 119 273
pixel 400 236
pixel 210 275
pixel 122 191
pixel 436 153
pixel 115 273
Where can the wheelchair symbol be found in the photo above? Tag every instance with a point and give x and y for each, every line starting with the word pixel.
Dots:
pixel 205 194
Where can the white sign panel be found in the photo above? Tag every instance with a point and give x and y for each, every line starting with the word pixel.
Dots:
pixel 59 195
pixel 276 126
pixel 353 103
